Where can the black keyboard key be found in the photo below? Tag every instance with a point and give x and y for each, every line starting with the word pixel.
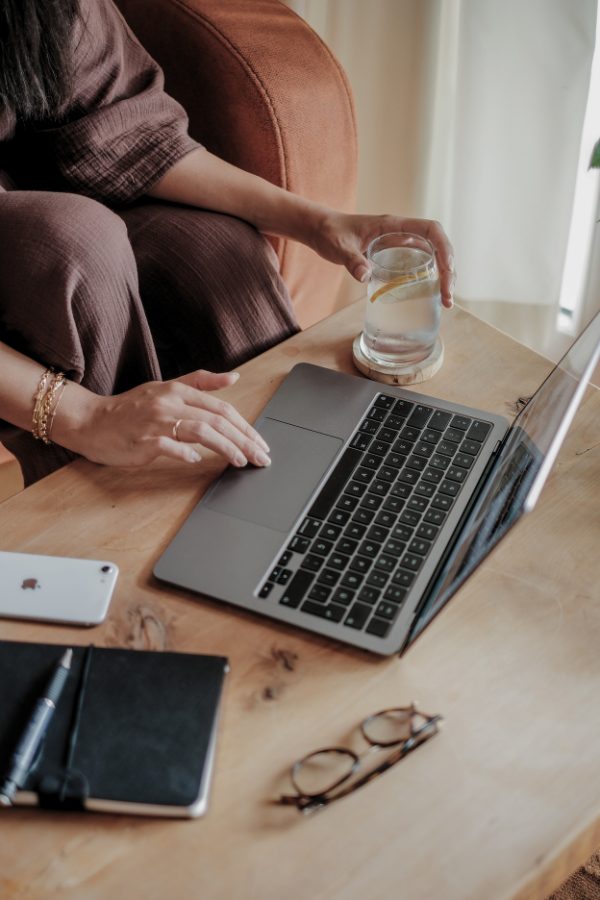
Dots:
pixel 395 548
pixel 296 589
pixel 470 447
pixel 320 593
pixel 371 460
pixel 460 422
pixel 387 434
pixel 345 545
pixel 403 408
pixel 369 427
pixel 449 487
pixel 453 434
pixel 342 595
pixel 402 533
pixel 386 563
pixel 423 449
pixel 404 578
pixel 396 460
pixel 338 561
pixel 379 488
pixel 330 532
pixel 329 577
pixel 377 533
pixel 401 489
pixel 369 548
pixel 447 448
pixel 361 441
pixel 431 436
pixel 309 528
pixel 439 420
pixel 299 544
pixel 372 502
pixel 387 610
pixel 377 579
pixel 433 475
pixel 285 558
pixel 434 516
pixel 393 505
pixel 385 401
pixel 352 580
pixel 386 473
pixel 425 489
pixel 378 627
pixel 346 503
pixel 410 434
pixel 440 462
pixel 355 531
pixel 357 616
pixel 394 422
pixel 454 473
pixel 380 448
pixel 332 612
pixel 275 574
pixel 410 517
pixel 284 576
pixel 463 460
pixel 411 561
pixel 313 563
pixel 402 447
pixel 377 414
pixel 416 462
pixel 360 564
pixel 265 590
pixel 334 484
pixel 364 475
pixel 362 517
pixel 429 532
pixel 387 519
pixel 355 489
pixel 418 545
pixel 339 517
pixel 420 416
pixel 395 594
pixel 478 431
pixel 417 503
pixel 369 595
pixel 323 548
pixel 443 502
pixel 408 476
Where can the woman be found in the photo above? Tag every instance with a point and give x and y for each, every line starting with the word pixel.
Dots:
pixel 178 276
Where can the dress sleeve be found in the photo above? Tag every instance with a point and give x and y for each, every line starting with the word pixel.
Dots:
pixel 121 132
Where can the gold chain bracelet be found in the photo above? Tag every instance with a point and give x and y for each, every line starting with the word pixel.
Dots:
pixel 51 423
pixel 37 406
pixel 58 380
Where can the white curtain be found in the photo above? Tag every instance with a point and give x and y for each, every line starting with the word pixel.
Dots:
pixel 471 111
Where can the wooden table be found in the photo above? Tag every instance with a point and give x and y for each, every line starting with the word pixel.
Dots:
pixel 505 803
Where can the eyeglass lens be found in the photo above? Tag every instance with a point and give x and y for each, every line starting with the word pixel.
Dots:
pixel 322 771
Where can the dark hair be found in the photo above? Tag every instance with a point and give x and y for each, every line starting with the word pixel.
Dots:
pixel 36 55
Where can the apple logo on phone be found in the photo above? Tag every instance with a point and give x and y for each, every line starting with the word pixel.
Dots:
pixel 30 583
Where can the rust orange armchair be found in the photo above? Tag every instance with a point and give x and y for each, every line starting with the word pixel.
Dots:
pixel 263 92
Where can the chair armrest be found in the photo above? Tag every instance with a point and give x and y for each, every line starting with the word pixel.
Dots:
pixel 263 92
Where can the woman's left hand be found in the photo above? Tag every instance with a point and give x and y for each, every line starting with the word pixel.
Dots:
pixel 343 239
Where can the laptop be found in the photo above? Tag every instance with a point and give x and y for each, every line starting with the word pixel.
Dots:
pixel 378 504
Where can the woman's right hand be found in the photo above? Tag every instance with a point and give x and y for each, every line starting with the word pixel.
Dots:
pixel 136 427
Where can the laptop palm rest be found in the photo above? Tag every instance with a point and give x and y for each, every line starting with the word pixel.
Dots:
pixel 274 496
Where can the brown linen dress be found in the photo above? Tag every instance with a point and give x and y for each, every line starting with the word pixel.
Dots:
pixel 99 281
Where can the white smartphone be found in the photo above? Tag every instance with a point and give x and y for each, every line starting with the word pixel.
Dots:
pixel 55 588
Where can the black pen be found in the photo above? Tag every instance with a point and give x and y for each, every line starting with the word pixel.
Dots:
pixel 32 737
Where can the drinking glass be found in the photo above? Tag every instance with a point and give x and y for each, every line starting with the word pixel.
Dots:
pixel 403 303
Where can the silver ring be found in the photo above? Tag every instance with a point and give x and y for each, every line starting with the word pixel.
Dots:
pixel 175 429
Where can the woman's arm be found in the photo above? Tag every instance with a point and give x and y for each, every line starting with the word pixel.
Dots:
pixel 134 428
pixel 203 180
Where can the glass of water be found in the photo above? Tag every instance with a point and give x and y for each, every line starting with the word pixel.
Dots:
pixel 403 302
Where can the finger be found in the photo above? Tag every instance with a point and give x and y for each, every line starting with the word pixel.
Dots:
pixel 202 380
pixel 219 435
pixel 218 407
pixel 358 266
pixel 175 450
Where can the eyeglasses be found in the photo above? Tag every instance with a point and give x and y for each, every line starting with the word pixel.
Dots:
pixel 322 777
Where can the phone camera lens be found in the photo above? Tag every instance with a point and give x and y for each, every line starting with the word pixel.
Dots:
pixel 106 569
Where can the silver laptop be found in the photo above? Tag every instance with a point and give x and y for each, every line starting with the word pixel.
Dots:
pixel 379 502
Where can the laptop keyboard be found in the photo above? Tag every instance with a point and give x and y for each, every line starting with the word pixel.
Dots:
pixel 375 520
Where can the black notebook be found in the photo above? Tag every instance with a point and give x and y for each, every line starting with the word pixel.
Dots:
pixel 134 731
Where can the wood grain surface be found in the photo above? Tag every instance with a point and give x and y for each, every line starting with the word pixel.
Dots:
pixel 504 803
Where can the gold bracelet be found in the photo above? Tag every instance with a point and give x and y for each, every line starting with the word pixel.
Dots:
pixel 37 406
pixel 64 386
pixel 58 379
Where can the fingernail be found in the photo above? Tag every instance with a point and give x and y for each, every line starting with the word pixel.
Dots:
pixel 262 459
pixel 240 459
pixel 451 263
pixel 363 274
pixel 262 443
pixel 236 375
pixel 451 301
pixel 195 457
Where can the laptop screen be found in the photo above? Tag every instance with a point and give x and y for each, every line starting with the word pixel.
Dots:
pixel 518 473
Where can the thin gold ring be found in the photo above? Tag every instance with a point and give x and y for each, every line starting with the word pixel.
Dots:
pixel 175 430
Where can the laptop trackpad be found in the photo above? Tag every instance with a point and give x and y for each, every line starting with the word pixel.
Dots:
pixel 274 496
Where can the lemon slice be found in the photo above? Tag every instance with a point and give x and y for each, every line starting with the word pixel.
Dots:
pixel 403 279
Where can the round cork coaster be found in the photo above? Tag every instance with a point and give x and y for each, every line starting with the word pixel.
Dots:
pixel 412 373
